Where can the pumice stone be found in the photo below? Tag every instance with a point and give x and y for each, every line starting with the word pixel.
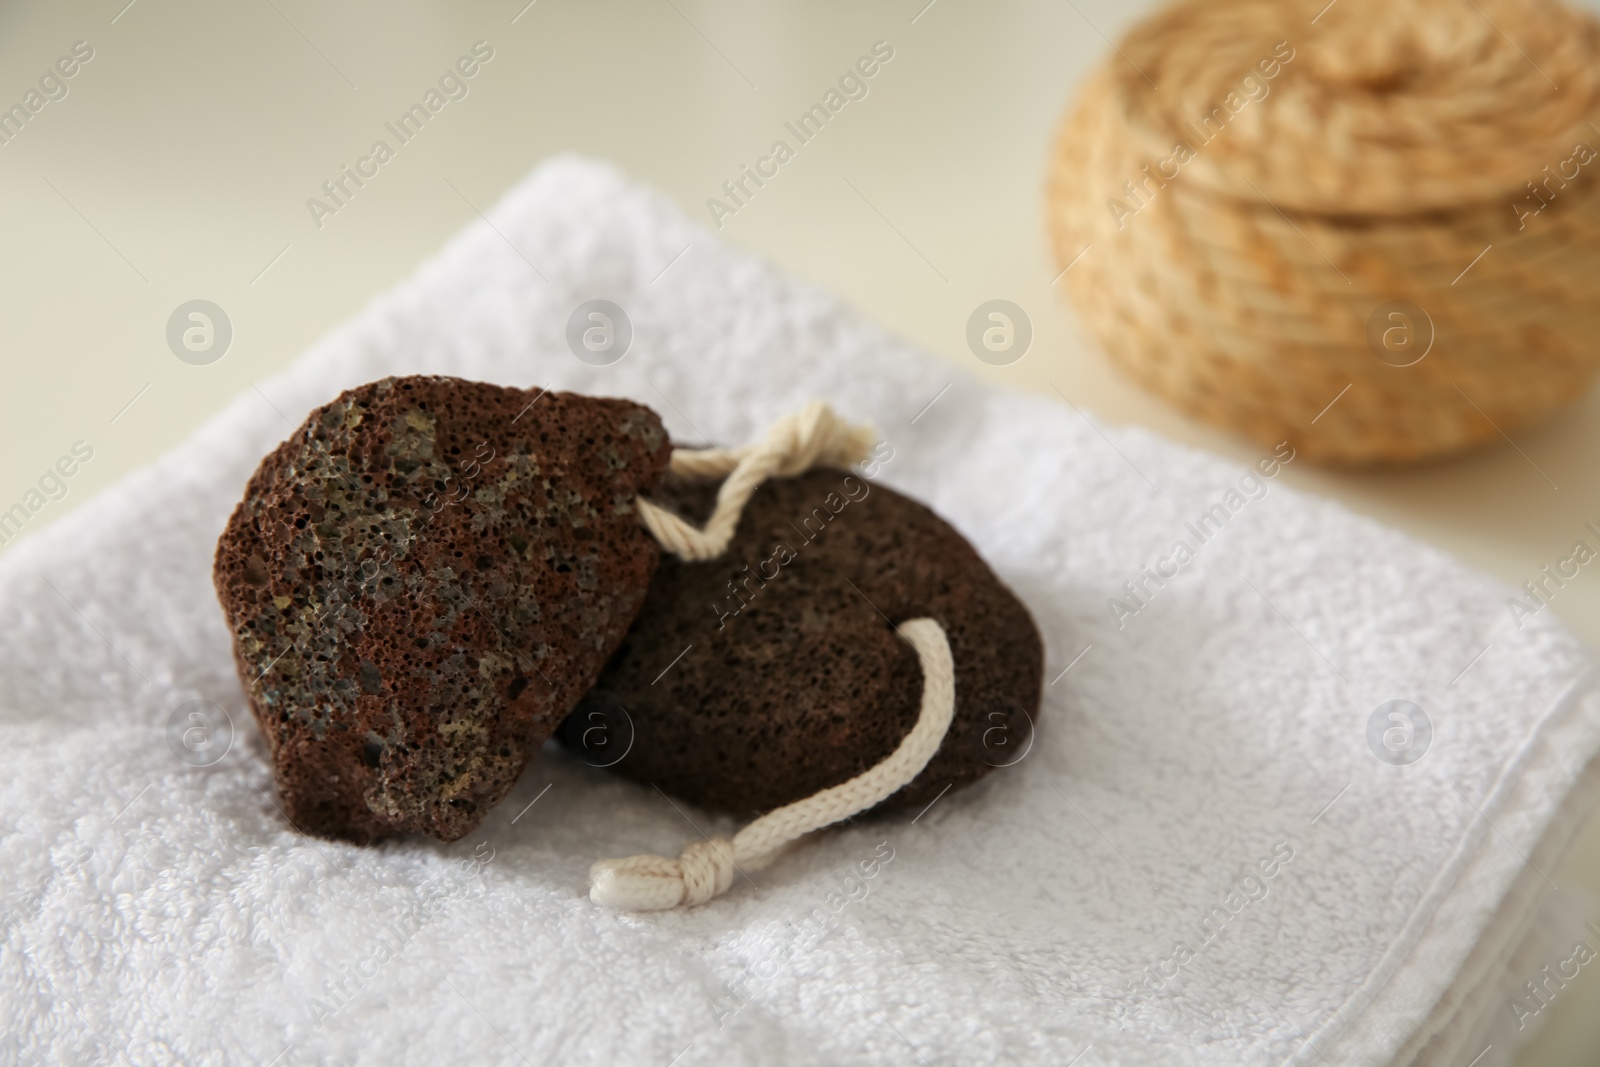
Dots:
pixel 759 678
pixel 422 582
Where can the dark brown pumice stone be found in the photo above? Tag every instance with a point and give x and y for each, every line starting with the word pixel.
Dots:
pixel 759 678
pixel 422 582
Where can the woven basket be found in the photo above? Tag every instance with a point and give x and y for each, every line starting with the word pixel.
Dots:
pixel 1346 236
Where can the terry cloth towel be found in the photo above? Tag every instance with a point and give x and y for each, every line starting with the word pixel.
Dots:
pixel 1198 858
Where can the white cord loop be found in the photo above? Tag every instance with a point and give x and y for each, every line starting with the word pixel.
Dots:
pixel 705 869
pixel 813 436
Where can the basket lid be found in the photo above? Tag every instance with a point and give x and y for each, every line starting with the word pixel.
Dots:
pixel 1366 107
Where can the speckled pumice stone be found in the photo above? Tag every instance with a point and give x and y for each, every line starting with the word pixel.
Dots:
pixel 754 680
pixel 422 581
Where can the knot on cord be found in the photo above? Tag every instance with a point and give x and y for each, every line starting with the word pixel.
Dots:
pixel 654 883
pixel 813 436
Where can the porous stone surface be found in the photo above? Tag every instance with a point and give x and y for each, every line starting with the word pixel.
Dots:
pixel 422 582
pixel 759 678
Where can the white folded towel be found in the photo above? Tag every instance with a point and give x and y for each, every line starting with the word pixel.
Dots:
pixel 1201 860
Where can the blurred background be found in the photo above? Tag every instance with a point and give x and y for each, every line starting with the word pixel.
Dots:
pixel 179 162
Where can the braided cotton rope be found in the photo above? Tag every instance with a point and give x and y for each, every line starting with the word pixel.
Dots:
pixel 705 869
pixel 812 436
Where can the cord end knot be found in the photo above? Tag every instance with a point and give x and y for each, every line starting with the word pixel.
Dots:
pixel 647 882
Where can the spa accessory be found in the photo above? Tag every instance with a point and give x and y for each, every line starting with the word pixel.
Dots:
pixel 752 681
pixel 1373 232
pixel 781 670
pixel 422 581
pixel 427 576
